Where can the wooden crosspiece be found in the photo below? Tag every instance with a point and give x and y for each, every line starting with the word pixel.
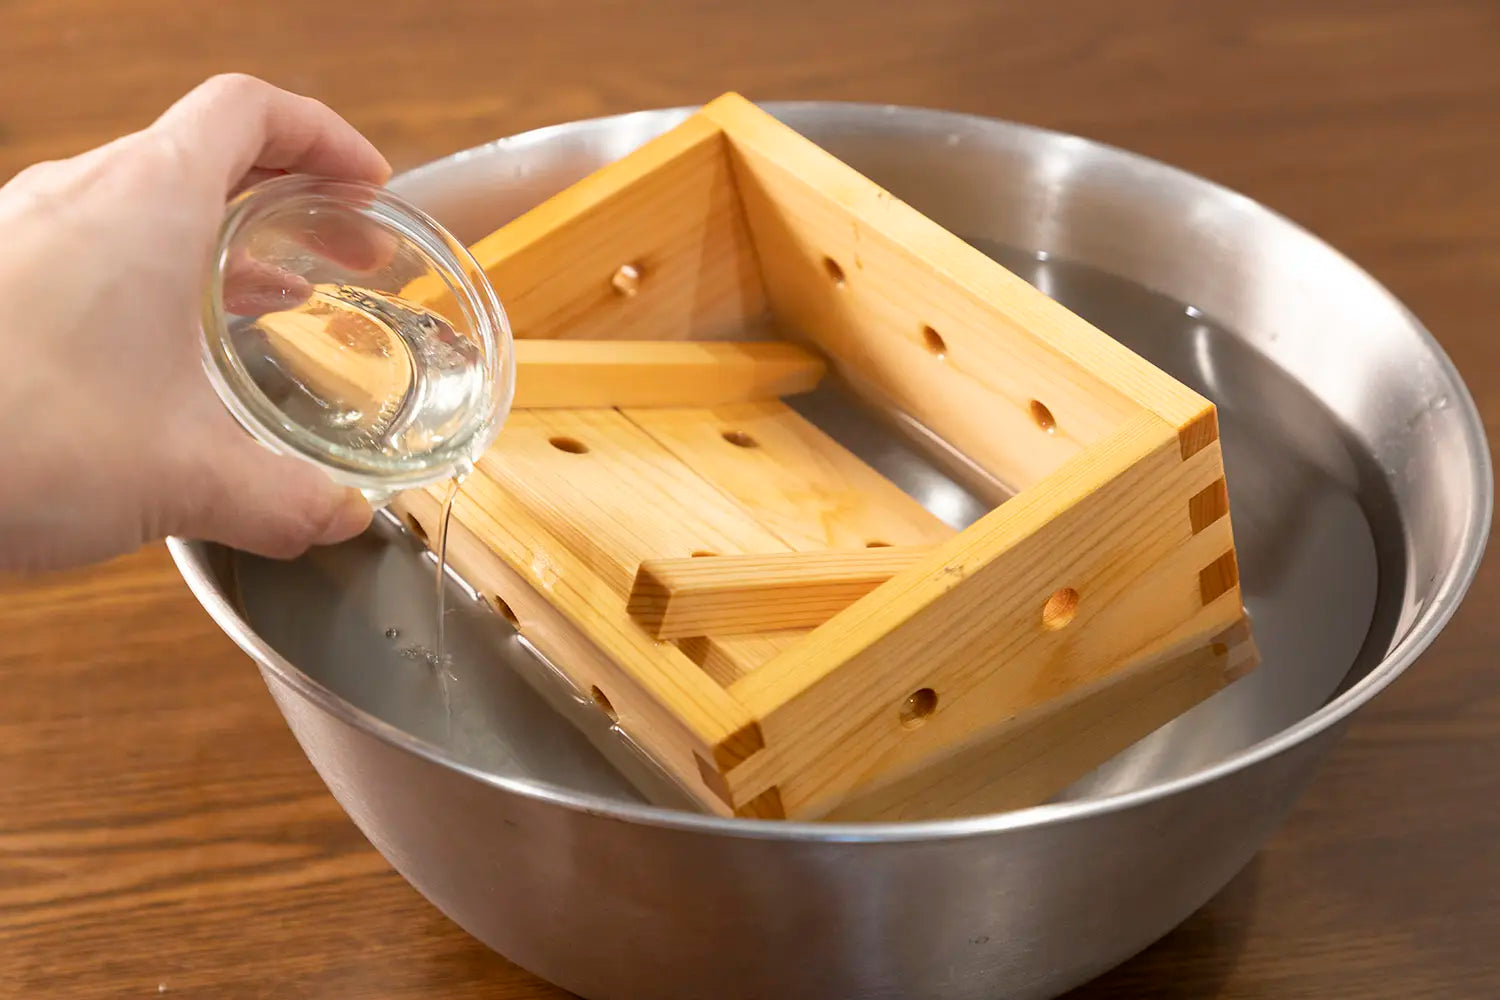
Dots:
pixel 736 595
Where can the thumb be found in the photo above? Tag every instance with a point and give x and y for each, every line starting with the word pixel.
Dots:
pixel 275 506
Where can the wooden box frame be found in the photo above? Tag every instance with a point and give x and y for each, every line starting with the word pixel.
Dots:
pixel 1000 663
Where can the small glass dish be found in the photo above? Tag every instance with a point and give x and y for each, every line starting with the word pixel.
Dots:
pixel 343 326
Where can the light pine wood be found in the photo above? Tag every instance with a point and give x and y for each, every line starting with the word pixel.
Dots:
pixel 945 332
pixel 971 615
pixel 1055 742
pixel 976 714
pixel 1117 547
pixel 659 697
pixel 1244 651
pixel 733 595
pixel 669 210
pixel 624 500
pixel 577 374
pixel 796 480
pixel 727 658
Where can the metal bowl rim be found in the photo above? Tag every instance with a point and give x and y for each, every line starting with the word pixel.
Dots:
pixel 194 568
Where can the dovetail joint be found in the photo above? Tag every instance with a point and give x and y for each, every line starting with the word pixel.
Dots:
pixel 738 746
pixel 1209 505
pixel 766 805
pixel 1199 433
pixel 713 780
pixel 1219 577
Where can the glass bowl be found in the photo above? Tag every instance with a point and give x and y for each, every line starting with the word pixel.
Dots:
pixel 345 327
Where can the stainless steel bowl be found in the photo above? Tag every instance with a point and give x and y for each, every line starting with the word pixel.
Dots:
pixel 1362 492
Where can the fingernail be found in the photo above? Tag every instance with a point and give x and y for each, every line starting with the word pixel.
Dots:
pixel 352 517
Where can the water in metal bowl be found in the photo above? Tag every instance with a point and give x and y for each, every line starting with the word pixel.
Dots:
pixel 1361 489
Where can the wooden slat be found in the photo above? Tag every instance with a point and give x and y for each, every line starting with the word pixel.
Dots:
pixel 731 595
pixel 971 616
pixel 578 622
pixel 1004 373
pixel 670 210
pixel 623 499
pixel 727 658
pixel 602 373
pixel 991 704
pixel 798 482
pixel 795 480
pixel 1056 742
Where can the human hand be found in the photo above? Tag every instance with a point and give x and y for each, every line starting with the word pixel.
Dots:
pixel 115 437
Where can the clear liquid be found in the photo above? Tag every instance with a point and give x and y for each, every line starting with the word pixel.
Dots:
pixel 436 656
pixel 439 657
pixel 366 370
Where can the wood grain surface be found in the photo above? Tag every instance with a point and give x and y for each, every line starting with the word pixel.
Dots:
pixel 160 831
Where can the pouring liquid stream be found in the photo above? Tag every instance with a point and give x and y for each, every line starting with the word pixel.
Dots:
pixel 439 653
pixel 379 376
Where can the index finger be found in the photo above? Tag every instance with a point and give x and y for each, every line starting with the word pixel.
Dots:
pixel 233 124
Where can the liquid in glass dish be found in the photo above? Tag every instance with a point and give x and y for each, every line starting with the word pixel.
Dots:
pixel 345 327
pixel 366 370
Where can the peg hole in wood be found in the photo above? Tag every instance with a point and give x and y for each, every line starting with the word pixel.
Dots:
pixel 877 545
pixel 415 527
pixel 918 706
pixel 739 439
pixel 1042 417
pixel 602 701
pixel 497 605
pixel 626 281
pixel 1060 609
pixel 934 342
pixel 835 272
pixel 703 554
pixel 572 446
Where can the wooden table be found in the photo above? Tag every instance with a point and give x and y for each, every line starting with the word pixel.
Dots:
pixel 161 832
